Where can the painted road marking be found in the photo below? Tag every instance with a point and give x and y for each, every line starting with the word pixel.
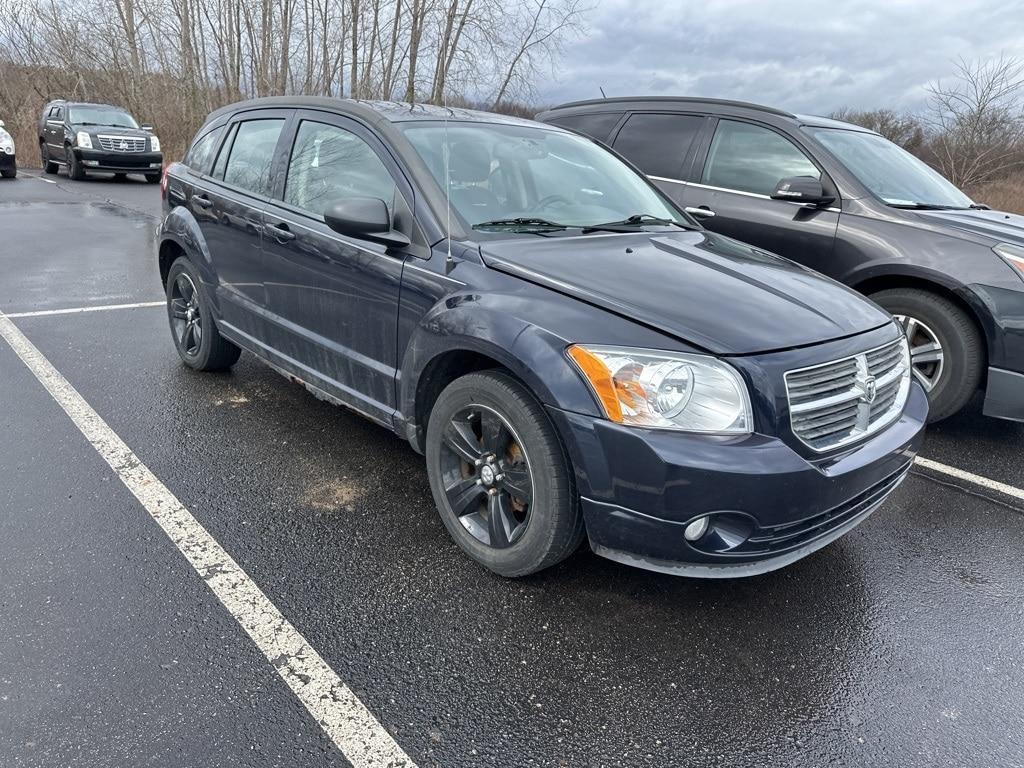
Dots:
pixel 77 310
pixel 48 181
pixel 970 477
pixel 348 723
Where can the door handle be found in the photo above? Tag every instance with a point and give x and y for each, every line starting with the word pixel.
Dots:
pixel 700 212
pixel 203 202
pixel 281 232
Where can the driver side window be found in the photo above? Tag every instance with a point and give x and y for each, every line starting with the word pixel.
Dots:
pixel 751 158
pixel 329 164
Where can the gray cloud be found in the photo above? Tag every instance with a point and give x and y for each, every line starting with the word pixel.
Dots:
pixel 802 56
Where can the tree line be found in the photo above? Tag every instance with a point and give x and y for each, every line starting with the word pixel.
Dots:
pixel 171 62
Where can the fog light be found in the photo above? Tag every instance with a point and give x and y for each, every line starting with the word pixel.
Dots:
pixel 696 529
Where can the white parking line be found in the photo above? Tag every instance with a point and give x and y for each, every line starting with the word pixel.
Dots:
pixel 349 724
pixel 77 310
pixel 48 181
pixel 970 477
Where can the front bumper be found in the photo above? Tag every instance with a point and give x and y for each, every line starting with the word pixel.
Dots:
pixel 120 162
pixel 640 488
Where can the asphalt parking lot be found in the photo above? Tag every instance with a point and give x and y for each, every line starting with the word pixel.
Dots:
pixel 900 645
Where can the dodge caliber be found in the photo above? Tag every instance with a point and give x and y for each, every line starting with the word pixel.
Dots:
pixel 576 357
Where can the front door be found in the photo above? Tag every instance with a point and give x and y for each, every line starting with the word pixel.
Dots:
pixel 745 162
pixel 333 300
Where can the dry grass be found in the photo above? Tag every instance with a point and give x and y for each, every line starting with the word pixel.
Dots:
pixel 1003 195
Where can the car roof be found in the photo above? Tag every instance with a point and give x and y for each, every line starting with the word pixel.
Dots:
pixel 731 106
pixel 391 111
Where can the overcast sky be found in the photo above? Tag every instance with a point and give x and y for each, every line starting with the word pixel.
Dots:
pixel 801 56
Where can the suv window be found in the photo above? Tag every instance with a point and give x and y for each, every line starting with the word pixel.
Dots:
pixel 252 153
pixel 751 158
pixel 658 144
pixel 597 125
pixel 199 157
pixel 328 164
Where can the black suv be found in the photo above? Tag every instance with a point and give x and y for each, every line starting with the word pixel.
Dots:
pixel 573 353
pixel 847 202
pixel 86 137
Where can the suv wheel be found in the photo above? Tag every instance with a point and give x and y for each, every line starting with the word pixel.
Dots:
pixel 500 477
pixel 153 178
pixel 75 170
pixel 49 166
pixel 946 349
pixel 196 337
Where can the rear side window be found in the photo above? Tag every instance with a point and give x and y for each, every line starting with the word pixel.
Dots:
pixel 252 153
pixel 201 154
pixel 597 125
pixel 658 144
pixel 751 158
pixel 329 164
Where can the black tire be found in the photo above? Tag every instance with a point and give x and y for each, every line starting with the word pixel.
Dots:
pixel 49 166
pixel 120 177
pixel 963 349
pixel 9 173
pixel 75 170
pixel 211 352
pixel 153 178
pixel 552 527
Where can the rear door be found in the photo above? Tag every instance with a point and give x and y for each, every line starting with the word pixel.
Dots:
pixel 54 132
pixel 731 192
pixel 660 143
pixel 229 208
pixel 333 299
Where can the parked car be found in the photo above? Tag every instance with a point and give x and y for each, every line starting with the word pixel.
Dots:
pixel 846 202
pixel 83 138
pixel 8 159
pixel 573 354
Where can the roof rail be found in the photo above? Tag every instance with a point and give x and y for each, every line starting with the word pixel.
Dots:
pixel 677 100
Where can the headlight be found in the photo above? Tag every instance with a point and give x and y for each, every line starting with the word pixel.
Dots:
pixel 1013 255
pixel 154 144
pixel 83 140
pixel 666 390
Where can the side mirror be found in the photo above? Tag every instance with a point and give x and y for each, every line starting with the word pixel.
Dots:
pixel 802 189
pixel 364 218
pixel 147 127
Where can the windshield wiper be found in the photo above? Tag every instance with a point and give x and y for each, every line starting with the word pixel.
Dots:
pixel 522 222
pixel 630 223
pixel 980 207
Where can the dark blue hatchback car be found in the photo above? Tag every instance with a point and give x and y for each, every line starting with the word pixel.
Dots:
pixel 575 356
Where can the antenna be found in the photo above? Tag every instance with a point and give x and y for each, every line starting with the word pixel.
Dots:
pixel 602 92
pixel 448 262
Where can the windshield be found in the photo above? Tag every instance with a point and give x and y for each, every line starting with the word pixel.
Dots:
pixel 890 172
pixel 90 115
pixel 515 176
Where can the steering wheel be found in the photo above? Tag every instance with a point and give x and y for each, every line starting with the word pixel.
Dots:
pixel 550 200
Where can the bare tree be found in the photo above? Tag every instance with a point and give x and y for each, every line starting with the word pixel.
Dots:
pixel 978 121
pixel 899 128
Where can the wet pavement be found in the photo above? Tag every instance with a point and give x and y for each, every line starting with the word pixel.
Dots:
pixel 900 645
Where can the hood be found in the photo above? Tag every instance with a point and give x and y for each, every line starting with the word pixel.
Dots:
pixel 110 130
pixel 1000 226
pixel 707 290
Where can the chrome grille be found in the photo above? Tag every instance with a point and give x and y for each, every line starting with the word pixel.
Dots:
pixel 837 403
pixel 122 143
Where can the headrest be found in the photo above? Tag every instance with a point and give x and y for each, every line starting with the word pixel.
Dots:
pixel 470 162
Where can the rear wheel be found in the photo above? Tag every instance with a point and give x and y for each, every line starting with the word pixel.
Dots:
pixel 500 477
pixel 75 170
pixel 196 337
pixel 947 353
pixel 49 166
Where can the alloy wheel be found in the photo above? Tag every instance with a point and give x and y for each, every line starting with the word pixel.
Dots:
pixel 487 476
pixel 927 358
pixel 186 319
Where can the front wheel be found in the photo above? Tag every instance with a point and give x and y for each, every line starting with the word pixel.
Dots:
pixel 9 173
pixel 196 337
pixel 500 477
pixel 947 354
pixel 75 170
pixel 152 178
